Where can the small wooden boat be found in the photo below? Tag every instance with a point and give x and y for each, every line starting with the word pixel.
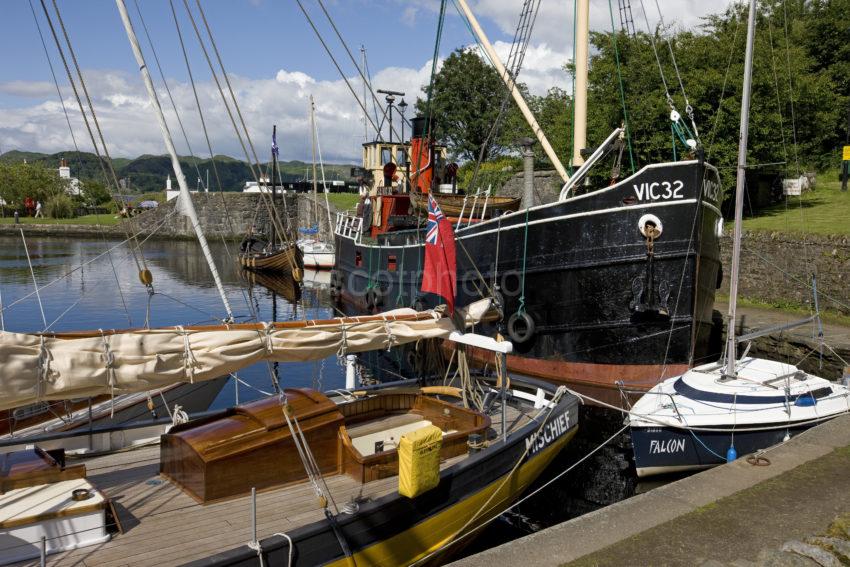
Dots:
pixel 286 259
pixel 452 205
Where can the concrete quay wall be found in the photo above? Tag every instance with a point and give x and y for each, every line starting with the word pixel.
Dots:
pixel 735 514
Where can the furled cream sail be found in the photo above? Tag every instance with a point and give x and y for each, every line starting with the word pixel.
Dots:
pixel 56 366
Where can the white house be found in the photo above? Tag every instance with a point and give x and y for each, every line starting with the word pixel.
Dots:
pixel 72 186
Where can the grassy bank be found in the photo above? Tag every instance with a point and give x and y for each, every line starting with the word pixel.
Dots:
pixel 343 201
pixel 823 211
pixel 827 315
pixel 104 219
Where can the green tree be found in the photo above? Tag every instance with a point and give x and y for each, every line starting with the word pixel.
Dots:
pixel 21 180
pixel 95 193
pixel 465 103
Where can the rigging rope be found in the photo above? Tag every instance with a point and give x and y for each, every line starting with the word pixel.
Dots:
pixel 226 78
pixel 256 173
pixel 336 64
pixel 689 110
pixel 679 125
pixel 140 266
pixel 375 100
pixel 622 90
pixel 76 149
pixel 732 50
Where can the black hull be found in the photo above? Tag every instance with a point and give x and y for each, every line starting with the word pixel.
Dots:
pixel 596 299
pixel 660 450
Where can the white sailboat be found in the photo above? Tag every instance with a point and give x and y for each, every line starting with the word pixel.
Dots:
pixel 318 254
pixel 715 412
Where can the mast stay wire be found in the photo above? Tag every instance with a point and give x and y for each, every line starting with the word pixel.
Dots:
pixel 369 82
pixel 689 110
pixel 227 82
pixel 675 117
pixel 254 172
pixel 76 149
pixel 723 88
pixel 351 56
pixel 55 81
pixel 182 128
pixel 338 68
pixel 791 91
pixel 132 241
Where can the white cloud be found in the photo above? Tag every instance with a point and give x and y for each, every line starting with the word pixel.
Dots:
pixel 130 129
pixel 125 115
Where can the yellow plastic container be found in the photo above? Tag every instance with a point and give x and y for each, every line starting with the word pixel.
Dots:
pixel 419 461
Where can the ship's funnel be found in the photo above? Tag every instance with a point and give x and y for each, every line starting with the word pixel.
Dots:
pixel 421 155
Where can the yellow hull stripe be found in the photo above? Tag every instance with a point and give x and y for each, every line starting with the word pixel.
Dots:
pixel 440 529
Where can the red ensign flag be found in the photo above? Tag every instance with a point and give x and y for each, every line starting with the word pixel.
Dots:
pixel 440 275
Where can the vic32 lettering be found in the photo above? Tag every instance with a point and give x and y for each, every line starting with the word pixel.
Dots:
pixel 659 190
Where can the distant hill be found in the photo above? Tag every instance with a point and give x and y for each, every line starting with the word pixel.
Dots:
pixel 147 173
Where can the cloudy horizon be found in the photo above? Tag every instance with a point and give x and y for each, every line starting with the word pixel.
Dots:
pixel 272 88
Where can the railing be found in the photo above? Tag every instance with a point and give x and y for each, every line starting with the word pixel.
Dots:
pixel 349 226
pixel 475 197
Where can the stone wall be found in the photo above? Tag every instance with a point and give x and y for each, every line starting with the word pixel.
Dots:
pixel 547 186
pixel 307 209
pixel 776 268
pixel 78 230
pixel 228 215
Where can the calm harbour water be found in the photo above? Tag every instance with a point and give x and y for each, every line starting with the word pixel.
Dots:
pixel 79 290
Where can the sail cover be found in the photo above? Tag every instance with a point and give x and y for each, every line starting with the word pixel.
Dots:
pixel 55 366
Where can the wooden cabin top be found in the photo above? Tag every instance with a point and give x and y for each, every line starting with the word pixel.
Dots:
pixel 33 467
pixel 251 446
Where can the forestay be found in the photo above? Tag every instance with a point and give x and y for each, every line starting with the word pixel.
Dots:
pixel 53 366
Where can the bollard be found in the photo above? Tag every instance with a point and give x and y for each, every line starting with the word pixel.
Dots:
pixel 43 561
pixel 17 218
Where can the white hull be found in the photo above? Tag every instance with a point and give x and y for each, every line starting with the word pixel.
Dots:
pixel 49 511
pixel 702 418
pixel 316 254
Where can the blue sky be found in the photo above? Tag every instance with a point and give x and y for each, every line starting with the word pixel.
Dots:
pixel 274 56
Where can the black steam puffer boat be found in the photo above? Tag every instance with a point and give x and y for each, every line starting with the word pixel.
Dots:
pixel 615 286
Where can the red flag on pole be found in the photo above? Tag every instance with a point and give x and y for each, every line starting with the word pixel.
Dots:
pixel 440 275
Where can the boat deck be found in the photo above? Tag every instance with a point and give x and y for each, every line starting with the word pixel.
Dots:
pixel 163 525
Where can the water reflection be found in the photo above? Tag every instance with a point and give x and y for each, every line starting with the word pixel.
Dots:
pixel 81 287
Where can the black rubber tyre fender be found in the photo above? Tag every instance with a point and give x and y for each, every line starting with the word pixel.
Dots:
pixel 521 327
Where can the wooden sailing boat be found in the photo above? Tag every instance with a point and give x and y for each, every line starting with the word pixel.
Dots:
pixel 277 253
pixel 715 412
pixel 317 252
